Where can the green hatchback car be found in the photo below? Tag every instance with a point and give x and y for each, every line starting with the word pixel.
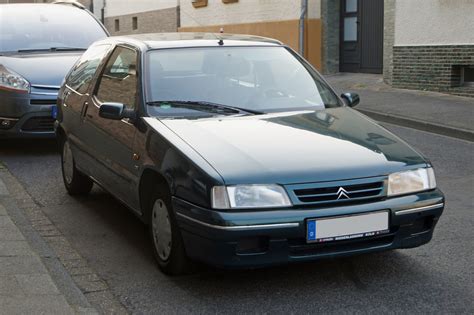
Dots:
pixel 237 153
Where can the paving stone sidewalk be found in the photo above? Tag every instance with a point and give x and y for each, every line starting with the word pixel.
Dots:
pixel 430 111
pixel 26 284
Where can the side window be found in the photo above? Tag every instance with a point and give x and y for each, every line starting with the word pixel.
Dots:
pixel 85 69
pixel 118 83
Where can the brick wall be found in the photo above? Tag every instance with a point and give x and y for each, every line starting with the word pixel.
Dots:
pixel 435 68
pixel 157 21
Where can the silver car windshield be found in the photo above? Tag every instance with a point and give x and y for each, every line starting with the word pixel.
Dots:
pixel 257 79
pixel 36 27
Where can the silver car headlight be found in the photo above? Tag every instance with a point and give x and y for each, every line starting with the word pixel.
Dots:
pixel 411 181
pixel 12 81
pixel 249 196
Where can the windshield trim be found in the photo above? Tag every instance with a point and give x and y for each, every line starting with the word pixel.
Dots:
pixel 310 68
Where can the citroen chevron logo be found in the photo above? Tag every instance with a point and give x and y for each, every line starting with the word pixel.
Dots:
pixel 342 194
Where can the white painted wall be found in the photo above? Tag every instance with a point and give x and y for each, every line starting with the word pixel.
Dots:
pixel 434 22
pixel 245 11
pixel 98 5
pixel 314 9
pixel 122 7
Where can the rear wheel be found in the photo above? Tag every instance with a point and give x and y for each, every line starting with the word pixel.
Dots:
pixel 166 237
pixel 75 182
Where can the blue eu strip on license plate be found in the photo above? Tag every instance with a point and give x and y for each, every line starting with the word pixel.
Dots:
pixel 311 231
pixel 54 112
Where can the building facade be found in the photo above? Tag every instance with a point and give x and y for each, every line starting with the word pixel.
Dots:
pixel 433 45
pixel 279 19
pixel 123 17
pixel 331 28
pixel 422 44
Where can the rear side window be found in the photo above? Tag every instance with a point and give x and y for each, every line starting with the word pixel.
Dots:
pixel 118 82
pixel 85 69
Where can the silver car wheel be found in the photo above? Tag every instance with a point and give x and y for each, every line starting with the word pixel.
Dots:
pixel 161 228
pixel 68 163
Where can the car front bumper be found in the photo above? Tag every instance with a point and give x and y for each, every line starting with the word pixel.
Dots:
pixel 270 237
pixel 28 115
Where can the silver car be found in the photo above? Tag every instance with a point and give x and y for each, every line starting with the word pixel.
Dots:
pixel 39 43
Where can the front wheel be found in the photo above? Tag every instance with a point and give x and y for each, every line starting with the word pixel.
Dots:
pixel 166 237
pixel 75 182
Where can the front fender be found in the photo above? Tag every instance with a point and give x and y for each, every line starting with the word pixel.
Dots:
pixel 188 175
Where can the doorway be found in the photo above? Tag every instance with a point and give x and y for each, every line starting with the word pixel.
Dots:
pixel 361 40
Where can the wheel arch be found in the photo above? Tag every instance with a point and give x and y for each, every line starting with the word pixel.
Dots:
pixel 151 180
pixel 60 133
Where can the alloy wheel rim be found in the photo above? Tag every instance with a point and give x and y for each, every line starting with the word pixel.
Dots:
pixel 68 164
pixel 161 228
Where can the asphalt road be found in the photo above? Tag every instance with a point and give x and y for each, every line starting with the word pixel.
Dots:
pixel 438 277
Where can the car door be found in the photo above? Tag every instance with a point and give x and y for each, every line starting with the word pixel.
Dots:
pixel 111 141
pixel 75 94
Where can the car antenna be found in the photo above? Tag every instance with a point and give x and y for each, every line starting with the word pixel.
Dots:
pixel 221 42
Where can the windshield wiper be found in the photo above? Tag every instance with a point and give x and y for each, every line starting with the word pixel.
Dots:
pixel 52 49
pixel 68 49
pixel 206 106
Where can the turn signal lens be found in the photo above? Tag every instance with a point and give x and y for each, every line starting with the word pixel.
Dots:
pixel 219 198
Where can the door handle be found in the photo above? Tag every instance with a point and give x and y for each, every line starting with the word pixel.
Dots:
pixel 65 96
pixel 84 110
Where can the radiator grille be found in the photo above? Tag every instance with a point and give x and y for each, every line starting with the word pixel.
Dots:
pixel 43 102
pixel 39 124
pixel 338 192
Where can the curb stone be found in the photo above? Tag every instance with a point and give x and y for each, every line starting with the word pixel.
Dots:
pixel 74 278
pixel 420 125
pixel 382 103
pixel 27 260
pixel 26 283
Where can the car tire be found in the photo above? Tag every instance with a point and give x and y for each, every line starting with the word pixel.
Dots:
pixel 167 242
pixel 76 183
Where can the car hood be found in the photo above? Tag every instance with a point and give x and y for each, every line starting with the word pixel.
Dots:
pixel 296 147
pixel 41 69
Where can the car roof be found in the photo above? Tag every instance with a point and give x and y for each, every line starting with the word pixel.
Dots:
pixel 185 39
pixel 13 9
pixel 22 5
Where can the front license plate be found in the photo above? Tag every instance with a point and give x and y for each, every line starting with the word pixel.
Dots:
pixel 54 112
pixel 347 227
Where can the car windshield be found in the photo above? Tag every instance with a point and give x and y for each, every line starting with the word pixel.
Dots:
pixel 36 27
pixel 252 79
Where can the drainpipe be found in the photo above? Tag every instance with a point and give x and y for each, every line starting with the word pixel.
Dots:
pixel 304 11
pixel 178 14
pixel 102 11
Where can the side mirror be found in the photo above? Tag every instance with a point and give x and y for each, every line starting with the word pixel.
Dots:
pixel 352 99
pixel 116 111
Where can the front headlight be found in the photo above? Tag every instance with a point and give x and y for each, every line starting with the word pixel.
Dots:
pixel 249 196
pixel 411 181
pixel 12 81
